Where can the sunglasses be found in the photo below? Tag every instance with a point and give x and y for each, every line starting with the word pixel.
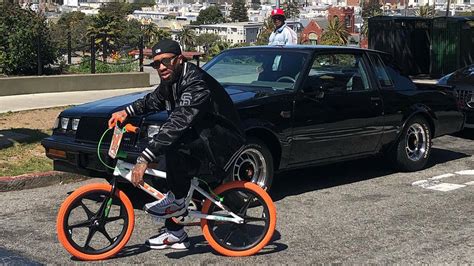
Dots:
pixel 277 18
pixel 167 62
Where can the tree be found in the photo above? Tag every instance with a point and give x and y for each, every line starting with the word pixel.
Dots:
pixel 162 34
pixel 425 11
pixel 239 11
pixel 217 48
pixel 105 30
pixel 370 9
pixel 210 15
pixel 335 34
pixel 24 35
pixel 255 4
pixel 291 10
pixel 73 24
pixel 265 32
pixel 187 38
pixel 128 34
pixel 206 40
pixel 149 34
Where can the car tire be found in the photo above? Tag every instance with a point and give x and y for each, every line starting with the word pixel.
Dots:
pixel 413 148
pixel 255 164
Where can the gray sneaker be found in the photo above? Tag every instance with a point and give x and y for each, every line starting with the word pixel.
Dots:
pixel 167 207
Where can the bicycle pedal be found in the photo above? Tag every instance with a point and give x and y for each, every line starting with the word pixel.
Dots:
pixel 183 216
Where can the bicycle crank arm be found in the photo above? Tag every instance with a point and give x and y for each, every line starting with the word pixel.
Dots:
pixel 197 214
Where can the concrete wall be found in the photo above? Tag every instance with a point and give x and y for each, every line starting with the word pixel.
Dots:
pixel 81 82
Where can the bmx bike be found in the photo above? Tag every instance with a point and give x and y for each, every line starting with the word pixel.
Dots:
pixel 96 221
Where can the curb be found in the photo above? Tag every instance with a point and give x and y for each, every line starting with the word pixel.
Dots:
pixel 35 180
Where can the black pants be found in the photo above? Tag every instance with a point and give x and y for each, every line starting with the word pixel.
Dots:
pixel 180 167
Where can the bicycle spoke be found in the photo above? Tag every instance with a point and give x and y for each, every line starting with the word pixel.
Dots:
pixel 253 219
pixel 113 219
pixel 243 210
pixel 80 224
pixel 226 238
pixel 243 229
pixel 89 237
pixel 88 212
pixel 104 232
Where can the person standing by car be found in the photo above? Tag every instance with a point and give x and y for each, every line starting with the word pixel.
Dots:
pixel 202 120
pixel 283 34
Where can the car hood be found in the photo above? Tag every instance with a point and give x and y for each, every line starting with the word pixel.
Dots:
pixel 104 107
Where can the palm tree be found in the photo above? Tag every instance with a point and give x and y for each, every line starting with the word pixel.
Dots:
pixel 187 38
pixel 425 11
pixel 162 34
pixel 105 32
pixel 149 33
pixel 338 31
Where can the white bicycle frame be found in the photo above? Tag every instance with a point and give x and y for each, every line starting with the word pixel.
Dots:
pixel 124 170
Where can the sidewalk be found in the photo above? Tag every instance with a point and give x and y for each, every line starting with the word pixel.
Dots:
pixel 47 100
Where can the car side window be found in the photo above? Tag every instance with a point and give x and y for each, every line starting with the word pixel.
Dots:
pixel 400 81
pixel 380 72
pixel 341 72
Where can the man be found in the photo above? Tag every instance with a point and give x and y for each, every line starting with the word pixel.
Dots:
pixel 202 120
pixel 282 35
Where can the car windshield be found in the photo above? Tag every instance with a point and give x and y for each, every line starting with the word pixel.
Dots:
pixel 277 69
pixel 465 75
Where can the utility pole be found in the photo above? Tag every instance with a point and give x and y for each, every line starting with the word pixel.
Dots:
pixel 447 8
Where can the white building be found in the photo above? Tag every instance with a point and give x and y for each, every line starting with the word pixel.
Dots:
pixel 238 32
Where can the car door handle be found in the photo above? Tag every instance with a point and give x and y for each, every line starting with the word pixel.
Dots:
pixel 285 114
pixel 375 100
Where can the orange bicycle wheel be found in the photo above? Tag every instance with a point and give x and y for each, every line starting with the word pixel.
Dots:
pixel 250 202
pixel 91 225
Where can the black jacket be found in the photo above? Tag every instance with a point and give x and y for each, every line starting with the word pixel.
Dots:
pixel 197 106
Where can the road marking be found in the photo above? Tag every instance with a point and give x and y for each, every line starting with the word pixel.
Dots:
pixel 465 172
pixel 442 176
pixel 434 182
pixel 445 187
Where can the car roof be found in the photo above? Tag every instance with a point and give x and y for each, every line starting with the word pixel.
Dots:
pixel 302 47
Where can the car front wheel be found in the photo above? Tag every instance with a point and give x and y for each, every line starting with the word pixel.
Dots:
pixel 255 164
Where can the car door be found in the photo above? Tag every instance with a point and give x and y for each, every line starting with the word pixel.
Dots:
pixel 339 112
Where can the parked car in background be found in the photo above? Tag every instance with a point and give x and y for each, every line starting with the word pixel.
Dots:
pixel 462 82
pixel 300 106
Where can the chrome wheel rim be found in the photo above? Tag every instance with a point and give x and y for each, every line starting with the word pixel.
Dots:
pixel 416 142
pixel 251 166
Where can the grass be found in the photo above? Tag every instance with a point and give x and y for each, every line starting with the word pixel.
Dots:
pixel 21 158
pixel 20 138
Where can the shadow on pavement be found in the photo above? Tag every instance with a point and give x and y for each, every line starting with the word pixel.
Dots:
pixel 465 134
pixel 439 156
pixel 296 182
pixel 200 246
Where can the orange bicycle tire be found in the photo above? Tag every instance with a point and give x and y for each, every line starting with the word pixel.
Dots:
pixel 268 235
pixel 67 204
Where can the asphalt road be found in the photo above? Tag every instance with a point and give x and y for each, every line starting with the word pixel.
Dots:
pixel 355 212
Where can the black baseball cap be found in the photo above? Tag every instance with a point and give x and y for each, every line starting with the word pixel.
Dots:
pixel 166 46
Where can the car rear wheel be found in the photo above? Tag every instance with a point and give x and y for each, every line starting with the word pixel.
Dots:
pixel 413 148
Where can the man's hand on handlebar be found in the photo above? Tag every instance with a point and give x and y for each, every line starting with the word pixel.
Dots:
pixel 119 116
pixel 138 172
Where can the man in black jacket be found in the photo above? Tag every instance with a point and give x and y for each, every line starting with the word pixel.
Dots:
pixel 201 114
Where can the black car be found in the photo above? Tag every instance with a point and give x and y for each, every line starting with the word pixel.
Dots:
pixel 300 106
pixel 462 82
